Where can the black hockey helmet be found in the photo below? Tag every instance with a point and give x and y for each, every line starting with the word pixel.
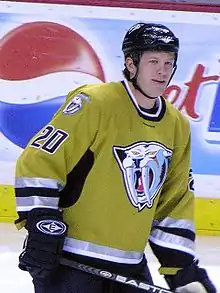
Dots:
pixel 149 36
pixel 143 37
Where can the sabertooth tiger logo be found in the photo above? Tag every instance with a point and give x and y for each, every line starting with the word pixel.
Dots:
pixel 144 167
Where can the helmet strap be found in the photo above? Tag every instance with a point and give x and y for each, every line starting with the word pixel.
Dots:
pixel 174 70
pixel 133 80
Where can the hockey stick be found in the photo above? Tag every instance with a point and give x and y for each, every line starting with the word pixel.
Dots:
pixel 118 278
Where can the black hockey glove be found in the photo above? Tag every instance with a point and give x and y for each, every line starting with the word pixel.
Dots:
pixel 191 279
pixel 44 243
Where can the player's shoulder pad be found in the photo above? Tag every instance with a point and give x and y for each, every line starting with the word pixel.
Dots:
pixel 95 94
pixel 103 91
pixel 177 117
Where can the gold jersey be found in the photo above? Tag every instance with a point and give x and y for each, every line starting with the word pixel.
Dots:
pixel 120 174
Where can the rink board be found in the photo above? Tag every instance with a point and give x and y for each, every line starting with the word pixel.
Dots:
pixel 29 92
pixel 206 212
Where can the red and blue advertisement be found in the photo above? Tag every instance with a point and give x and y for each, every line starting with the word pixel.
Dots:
pixel 46 52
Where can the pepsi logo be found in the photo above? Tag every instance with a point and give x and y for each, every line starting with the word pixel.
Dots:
pixel 33 51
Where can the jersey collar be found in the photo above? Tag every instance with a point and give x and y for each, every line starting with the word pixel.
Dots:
pixel 148 116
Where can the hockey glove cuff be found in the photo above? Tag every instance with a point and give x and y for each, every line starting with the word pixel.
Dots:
pixel 191 279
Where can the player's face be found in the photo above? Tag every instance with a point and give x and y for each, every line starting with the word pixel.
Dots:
pixel 155 69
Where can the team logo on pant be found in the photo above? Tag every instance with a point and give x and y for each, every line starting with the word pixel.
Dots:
pixel 144 167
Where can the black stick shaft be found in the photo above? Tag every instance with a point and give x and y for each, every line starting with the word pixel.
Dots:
pixel 114 277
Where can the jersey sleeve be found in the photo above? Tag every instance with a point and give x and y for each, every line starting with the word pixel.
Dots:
pixel 43 166
pixel 173 234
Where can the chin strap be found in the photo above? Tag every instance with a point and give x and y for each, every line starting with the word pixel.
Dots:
pixel 136 56
pixel 137 87
pixel 174 70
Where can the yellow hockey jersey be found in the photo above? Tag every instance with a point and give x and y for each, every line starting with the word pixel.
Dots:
pixel 120 174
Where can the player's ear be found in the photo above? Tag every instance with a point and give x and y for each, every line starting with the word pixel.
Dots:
pixel 129 64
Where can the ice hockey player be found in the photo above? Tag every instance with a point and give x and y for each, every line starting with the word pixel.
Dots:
pixel 109 174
